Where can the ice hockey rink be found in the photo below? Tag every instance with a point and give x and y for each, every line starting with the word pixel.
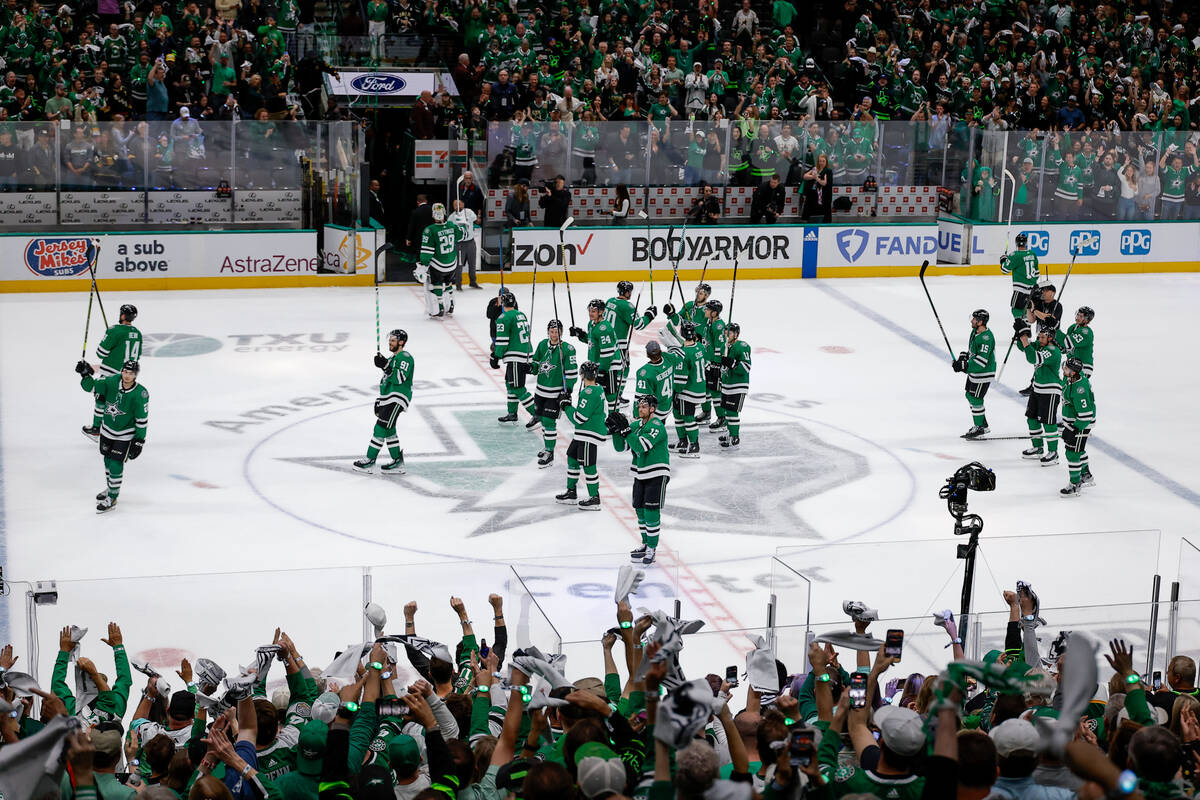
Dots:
pixel 243 513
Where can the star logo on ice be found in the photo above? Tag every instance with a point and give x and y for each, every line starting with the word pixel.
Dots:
pixel 852 243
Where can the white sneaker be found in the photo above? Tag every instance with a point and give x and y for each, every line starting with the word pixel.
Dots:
pixel 859 611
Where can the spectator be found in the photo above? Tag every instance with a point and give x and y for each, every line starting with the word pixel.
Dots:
pixel 422 116
pixel 516 207
pixel 706 208
pixel 1105 189
pixel 818 191
pixel 1148 189
pixel 8 160
pixel 620 205
pixel 1127 204
pixel 767 204
pixel 555 202
pixel 470 194
pixel 1017 745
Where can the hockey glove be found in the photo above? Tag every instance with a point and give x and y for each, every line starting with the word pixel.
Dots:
pixel 616 422
pixel 1003 262
pixel 380 361
pixel 727 361
pixel 494 362
pixel 960 363
pixel 1020 326
pixel 565 405
pixel 579 333
pixel 651 313
pixel 84 368
pixel 135 448
pixel 669 309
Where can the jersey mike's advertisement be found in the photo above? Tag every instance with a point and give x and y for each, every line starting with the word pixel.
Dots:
pixel 32 262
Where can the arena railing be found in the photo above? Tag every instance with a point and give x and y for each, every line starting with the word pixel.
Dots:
pixel 157 174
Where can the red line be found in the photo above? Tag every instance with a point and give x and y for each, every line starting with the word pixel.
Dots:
pixel 623 512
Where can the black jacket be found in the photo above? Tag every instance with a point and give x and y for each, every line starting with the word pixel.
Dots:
pixel 765 198
pixel 422 218
pixel 557 203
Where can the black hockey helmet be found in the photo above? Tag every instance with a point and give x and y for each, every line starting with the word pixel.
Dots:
pixel 653 348
pixel 648 399
pixel 1046 328
pixel 131 365
pixel 597 304
pixel 1022 240
pixel 1046 286
pixel 703 287
pixel 589 370
pixel 688 331
pixel 555 323
pixel 624 288
pixel 981 314
pixel 1087 312
pixel 714 305
pixel 129 311
pixel 507 298
pixel 734 328
pixel 398 333
pixel 1074 365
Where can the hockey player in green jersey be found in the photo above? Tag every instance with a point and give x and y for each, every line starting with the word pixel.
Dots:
pixel 439 259
pixel 692 311
pixel 656 377
pixel 126 406
pixel 1077 341
pixel 557 371
pixel 602 343
pixel 587 415
pixel 395 393
pixel 713 338
pixel 689 392
pixel 513 349
pixel 735 385
pixel 624 319
pixel 1022 264
pixel 646 439
pixel 122 342
pixel 979 362
pixel 1079 414
pixel 1041 411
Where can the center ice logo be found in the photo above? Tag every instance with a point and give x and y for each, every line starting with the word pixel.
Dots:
pixel 852 251
pixel 58 257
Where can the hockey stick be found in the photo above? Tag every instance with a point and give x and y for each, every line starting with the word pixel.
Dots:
pixel 1070 266
pixel 88 323
pixel 562 370
pixel 567 275
pixel 649 258
pixel 1008 227
pixel 382 249
pixel 999 438
pixel 95 286
pixel 925 266
pixel 732 290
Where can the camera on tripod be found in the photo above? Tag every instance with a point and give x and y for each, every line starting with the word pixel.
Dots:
pixel 969 477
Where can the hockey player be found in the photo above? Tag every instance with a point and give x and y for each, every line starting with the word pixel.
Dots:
pixel 1077 341
pixel 713 338
pixel 512 347
pixel 1079 414
pixel 1022 264
pixel 735 385
pixel 979 362
pixel 1041 411
pixel 646 439
pixel 122 342
pixel 395 393
pixel 656 377
pixel 692 311
pixel 601 340
pixel 623 316
pixel 689 391
pixel 557 371
pixel 588 416
pixel 439 260
pixel 126 410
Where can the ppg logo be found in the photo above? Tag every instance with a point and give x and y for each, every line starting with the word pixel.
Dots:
pixel 1039 242
pixel 1135 242
pixel 1085 243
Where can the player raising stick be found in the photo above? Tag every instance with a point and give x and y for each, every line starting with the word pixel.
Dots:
pixel 122 342
pixel 689 362
pixel 1041 411
pixel 512 347
pixel 979 362
pixel 126 407
pixel 656 377
pixel 646 439
pixel 1078 341
pixel 601 340
pixel 1079 414
pixel 692 311
pixel 714 354
pixel 395 393
pixel 735 384
pixel 621 314
pixel 1022 264
pixel 557 372
pixel 590 432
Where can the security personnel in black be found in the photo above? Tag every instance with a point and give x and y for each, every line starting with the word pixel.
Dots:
pixel 767 204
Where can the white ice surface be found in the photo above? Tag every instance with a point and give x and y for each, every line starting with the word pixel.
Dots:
pixel 852 425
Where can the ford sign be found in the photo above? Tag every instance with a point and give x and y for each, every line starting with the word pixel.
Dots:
pixel 377 83
pixel 58 257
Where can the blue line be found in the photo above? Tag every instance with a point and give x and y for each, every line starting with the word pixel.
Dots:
pixel 1111 450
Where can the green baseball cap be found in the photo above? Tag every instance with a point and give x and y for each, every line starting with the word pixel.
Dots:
pixel 310 750
pixel 403 754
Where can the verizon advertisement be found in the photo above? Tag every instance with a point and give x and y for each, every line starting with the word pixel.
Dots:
pixel 32 259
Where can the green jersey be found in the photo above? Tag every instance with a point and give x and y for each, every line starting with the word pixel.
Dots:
pixel 647 441
pixel 1046 367
pixel 1079 406
pixel 624 319
pixel 1173 181
pixel 657 380
pixel 588 414
pixel 121 343
pixel 279 757
pixel 1069 179
pixel 981 357
pixel 714 340
pixel 602 345
pixel 851 780
pixel 126 411
pixel 691 312
pixel 439 243
pixel 735 369
pixel 556 368
pixel 693 369
pixel 512 338
pixel 1023 266
pixel 396 384
pixel 1076 343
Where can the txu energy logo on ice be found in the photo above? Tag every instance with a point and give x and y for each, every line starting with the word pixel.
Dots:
pixel 177 345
